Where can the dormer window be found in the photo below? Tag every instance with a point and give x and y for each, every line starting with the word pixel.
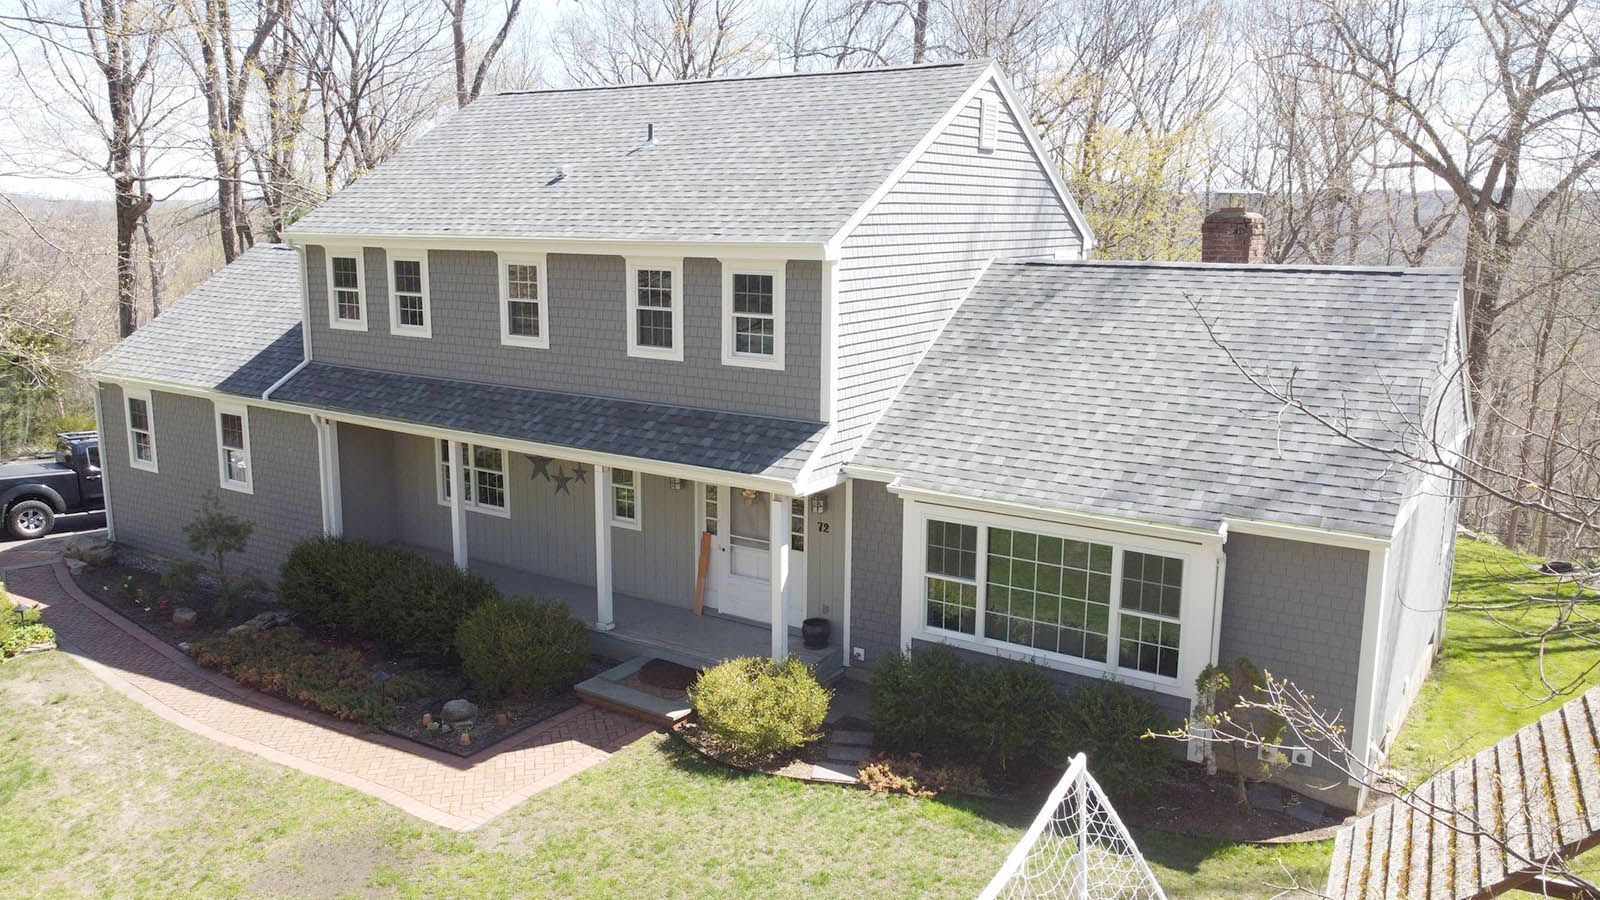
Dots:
pixel 347 307
pixel 655 314
pixel 752 313
pixel 524 313
pixel 409 312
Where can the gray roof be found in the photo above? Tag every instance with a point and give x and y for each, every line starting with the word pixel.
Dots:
pixel 1093 386
pixel 238 332
pixel 749 445
pixel 776 158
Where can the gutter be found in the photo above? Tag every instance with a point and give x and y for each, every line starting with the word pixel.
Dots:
pixel 267 394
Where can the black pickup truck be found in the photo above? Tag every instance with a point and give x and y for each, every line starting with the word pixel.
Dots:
pixel 34 491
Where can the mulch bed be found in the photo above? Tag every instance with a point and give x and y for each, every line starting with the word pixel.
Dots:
pixel 137 594
pixel 1194 803
pixel 791 765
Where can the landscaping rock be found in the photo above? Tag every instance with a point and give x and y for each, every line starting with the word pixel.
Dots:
pixel 183 615
pixel 94 551
pixel 264 621
pixel 186 648
pixel 459 713
pixel 76 566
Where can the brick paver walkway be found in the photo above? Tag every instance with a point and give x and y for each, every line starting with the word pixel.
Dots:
pixel 435 786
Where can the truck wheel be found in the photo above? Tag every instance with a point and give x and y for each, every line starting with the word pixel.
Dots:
pixel 30 519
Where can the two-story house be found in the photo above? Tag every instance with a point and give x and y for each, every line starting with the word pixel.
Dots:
pixel 832 341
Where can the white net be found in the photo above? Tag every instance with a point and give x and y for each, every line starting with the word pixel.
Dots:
pixel 1077 848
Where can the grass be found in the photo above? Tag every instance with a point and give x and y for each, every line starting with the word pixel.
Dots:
pixel 102 797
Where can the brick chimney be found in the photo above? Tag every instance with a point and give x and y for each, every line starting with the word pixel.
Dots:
pixel 1233 235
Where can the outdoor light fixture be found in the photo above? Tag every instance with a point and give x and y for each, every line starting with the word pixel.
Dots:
pixel 675 483
pixel 819 503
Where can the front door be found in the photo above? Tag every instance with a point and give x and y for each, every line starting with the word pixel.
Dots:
pixel 739 575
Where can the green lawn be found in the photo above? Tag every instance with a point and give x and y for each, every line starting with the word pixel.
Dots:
pixel 101 797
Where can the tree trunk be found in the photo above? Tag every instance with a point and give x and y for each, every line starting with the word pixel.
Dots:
pixel 919 32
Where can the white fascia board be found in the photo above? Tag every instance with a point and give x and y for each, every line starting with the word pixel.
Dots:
pixel 1372 616
pixel 1199 536
pixel 858 472
pixel 1307 534
pixel 784 250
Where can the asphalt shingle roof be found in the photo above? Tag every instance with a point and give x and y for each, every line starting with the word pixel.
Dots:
pixel 778 158
pixel 750 445
pixel 238 332
pixel 1093 386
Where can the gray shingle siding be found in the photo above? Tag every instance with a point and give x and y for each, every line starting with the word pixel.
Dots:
pixel 876 518
pixel 587 310
pixel 825 558
pixel 909 262
pixel 150 508
pixel 1295 609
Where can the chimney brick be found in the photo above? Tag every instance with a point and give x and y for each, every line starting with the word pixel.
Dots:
pixel 1233 235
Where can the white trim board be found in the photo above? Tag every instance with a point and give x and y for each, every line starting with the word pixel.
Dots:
pixel 557 244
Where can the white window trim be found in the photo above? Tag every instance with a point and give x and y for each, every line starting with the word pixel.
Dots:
pixel 134 461
pixel 470 501
pixel 637 522
pixel 1199 597
pixel 426 331
pixel 631 287
pixel 537 260
pixel 247 486
pixel 775 268
pixel 358 324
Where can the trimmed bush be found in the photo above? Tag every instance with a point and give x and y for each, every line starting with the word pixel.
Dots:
pixel 512 648
pixel 1006 713
pixel 285 663
pixel 758 708
pixel 379 591
pixel 913 699
pixel 1106 722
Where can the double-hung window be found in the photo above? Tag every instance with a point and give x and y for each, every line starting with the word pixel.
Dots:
pixel 347 305
pixel 655 308
pixel 524 313
pixel 141 430
pixel 410 311
pixel 233 448
pixel 482 481
pixel 1070 597
pixel 625 498
pixel 752 314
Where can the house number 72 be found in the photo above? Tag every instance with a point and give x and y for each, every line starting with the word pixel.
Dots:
pixel 822 527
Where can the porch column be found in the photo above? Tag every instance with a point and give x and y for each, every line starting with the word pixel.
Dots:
pixel 328 462
pixel 602 549
pixel 458 508
pixel 779 548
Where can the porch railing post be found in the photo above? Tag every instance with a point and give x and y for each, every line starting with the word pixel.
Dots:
pixel 779 569
pixel 602 550
pixel 458 507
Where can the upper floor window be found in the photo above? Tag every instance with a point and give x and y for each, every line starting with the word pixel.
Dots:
pixel 347 305
pixel 524 318
pixel 141 430
pixel 409 308
pixel 655 311
pixel 625 498
pixel 483 478
pixel 233 448
pixel 752 314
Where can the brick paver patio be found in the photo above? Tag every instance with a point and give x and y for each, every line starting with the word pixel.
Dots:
pixel 440 788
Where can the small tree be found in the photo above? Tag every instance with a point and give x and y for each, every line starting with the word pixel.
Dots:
pixel 1230 713
pixel 216 534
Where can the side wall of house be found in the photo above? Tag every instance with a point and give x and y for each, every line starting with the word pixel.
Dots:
pixel 1295 610
pixel 825 558
pixel 151 508
pixel 587 309
pixel 909 262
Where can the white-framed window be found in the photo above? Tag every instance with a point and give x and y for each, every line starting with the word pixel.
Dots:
pixel 797 524
pixel 752 313
pixel 347 299
pixel 483 479
pixel 711 508
pixel 524 301
pixel 141 420
pixel 655 308
pixel 988 114
pixel 410 310
pixel 233 448
pixel 625 497
pixel 1116 605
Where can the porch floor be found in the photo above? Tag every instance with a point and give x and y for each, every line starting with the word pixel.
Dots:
pixel 648 626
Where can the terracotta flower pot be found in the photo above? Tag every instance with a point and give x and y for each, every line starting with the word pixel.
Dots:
pixel 427 719
pixel 466 739
pixel 501 719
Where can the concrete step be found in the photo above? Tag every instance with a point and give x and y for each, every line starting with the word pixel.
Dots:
pixel 846 753
pixel 852 738
pixel 606 691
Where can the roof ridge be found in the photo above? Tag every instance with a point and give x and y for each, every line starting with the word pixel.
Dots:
pixel 770 76
pixel 1251 267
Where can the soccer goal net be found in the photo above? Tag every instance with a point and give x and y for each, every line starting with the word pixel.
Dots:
pixel 1076 848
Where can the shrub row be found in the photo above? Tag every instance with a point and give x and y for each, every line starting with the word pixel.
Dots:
pixel 758 708
pixel 1007 715
pixel 510 647
pixel 378 591
pixel 283 662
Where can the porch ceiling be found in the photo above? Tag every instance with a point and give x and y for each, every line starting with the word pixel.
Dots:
pixel 703 439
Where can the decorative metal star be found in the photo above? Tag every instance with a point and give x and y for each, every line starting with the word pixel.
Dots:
pixel 561 481
pixel 541 466
pixel 580 474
